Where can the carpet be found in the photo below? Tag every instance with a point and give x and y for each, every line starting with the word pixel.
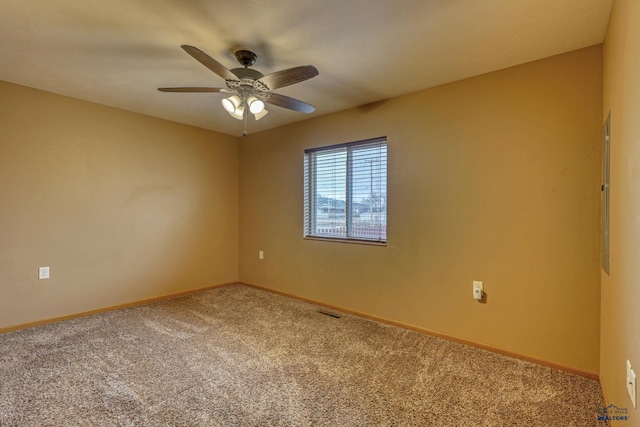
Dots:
pixel 239 356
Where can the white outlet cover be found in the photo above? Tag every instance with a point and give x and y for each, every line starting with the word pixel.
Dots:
pixel 477 290
pixel 43 273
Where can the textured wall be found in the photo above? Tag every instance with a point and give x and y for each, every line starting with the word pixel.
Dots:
pixel 621 290
pixel 494 178
pixel 121 206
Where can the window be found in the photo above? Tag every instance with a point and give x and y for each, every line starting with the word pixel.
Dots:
pixel 345 189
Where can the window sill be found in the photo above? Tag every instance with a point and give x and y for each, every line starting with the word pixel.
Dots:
pixel 353 241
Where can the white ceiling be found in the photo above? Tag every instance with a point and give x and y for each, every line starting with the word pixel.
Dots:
pixel 117 52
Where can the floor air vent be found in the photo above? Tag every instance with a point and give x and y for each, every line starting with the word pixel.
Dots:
pixel 329 314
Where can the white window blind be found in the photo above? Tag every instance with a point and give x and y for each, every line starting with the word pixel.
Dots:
pixel 346 191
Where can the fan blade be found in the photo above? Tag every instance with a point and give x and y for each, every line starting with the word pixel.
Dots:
pixel 209 62
pixel 192 89
pixel 289 76
pixel 290 103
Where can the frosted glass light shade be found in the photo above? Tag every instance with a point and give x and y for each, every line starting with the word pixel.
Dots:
pixel 231 104
pixel 256 106
pixel 261 114
pixel 238 113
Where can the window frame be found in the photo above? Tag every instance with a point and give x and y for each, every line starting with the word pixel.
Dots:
pixel 310 172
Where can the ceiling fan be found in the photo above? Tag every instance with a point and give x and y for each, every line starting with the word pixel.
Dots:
pixel 249 88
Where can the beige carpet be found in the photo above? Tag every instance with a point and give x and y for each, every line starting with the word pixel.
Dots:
pixel 237 356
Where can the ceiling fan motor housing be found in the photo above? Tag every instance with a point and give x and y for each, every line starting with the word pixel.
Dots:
pixel 247 73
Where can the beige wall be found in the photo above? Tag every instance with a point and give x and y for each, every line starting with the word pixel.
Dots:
pixel 620 332
pixel 494 178
pixel 122 207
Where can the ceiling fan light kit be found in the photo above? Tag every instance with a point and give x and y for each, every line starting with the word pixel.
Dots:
pixel 250 90
pixel 236 106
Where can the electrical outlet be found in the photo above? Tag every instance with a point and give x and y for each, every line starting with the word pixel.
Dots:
pixel 631 383
pixel 43 273
pixel 260 255
pixel 478 288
